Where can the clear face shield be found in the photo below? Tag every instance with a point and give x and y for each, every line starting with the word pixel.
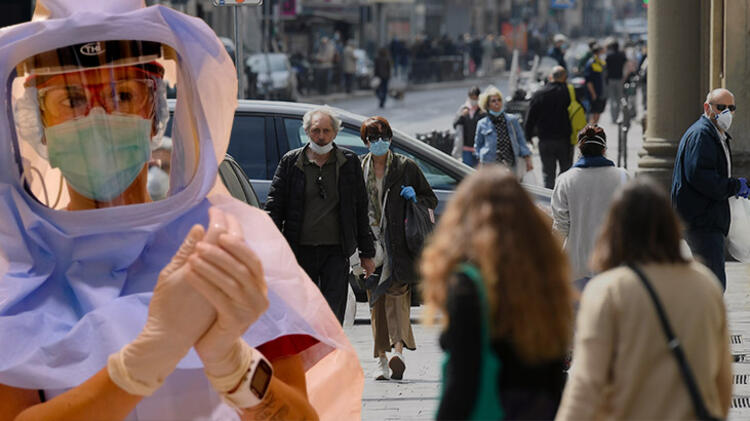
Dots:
pixel 90 121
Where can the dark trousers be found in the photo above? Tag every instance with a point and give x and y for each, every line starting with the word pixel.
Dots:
pixel 552 152
pixel 329 270
pixel 382 92
pixel 348 82
pixel 709 246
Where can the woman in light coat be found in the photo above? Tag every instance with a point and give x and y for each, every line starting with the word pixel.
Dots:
pixel 623 366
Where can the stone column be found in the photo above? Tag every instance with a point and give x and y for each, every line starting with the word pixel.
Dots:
pixel 674 83
pixel 735 72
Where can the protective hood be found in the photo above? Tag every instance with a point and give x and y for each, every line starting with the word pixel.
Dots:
pixel 75 286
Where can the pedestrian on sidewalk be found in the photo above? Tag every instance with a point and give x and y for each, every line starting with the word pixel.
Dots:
pixel 465 126
pixel 594 75
pixel 702 181
pixel 319 202
pixel 548 118
pixel 324 65
pixel 496 272
pixel 383 64
pixel 499 138
pixel 391 179
pixel 623 365
pixel 557 51
pixel 581 198
pixel 615 61
pixel 349 65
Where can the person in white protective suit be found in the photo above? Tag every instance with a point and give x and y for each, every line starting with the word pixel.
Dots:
pixel 117 306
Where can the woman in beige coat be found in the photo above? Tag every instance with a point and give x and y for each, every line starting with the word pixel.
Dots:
pixel 622 365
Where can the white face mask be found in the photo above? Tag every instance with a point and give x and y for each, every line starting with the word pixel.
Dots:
pixel 321 150
pixel 724 120
pixel 473 102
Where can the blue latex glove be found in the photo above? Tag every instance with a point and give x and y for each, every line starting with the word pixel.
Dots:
pixel 743 192
pixel 408 193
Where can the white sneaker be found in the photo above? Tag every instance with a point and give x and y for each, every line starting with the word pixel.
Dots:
pixel 397 366
pixel 382 372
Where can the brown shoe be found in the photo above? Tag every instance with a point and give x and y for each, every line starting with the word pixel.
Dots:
pixel 397 366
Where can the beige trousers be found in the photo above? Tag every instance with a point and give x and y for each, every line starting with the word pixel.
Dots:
pixel 390 320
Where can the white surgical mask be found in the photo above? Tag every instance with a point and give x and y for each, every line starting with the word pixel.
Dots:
pixel 473 102
pixel 321 150
pixel 724 120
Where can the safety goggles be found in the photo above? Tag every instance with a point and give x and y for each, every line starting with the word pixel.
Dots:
pixel 74 100
pixel 722 107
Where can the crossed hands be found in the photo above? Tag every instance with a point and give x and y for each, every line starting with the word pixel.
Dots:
pixel 207 297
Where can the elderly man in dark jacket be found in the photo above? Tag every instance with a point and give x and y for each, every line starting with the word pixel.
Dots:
pixel 548 118
pixel 702 181
pixel 319 202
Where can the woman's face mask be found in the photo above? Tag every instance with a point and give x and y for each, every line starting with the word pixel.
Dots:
pixel 380 147
pixel 101 154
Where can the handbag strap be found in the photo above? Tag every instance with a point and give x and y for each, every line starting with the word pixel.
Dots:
pixel 676 347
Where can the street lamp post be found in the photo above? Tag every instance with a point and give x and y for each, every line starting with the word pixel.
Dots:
pixel 239 63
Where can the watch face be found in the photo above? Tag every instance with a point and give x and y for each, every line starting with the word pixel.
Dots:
pixel 261 379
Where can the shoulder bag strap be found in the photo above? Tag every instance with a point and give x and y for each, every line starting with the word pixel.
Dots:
pixel 676 347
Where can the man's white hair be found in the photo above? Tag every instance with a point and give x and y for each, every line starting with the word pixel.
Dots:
pixel 326 110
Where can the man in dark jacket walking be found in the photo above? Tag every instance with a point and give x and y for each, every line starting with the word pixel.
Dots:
pixel 548 118
pixel 319 202
pixel 702 181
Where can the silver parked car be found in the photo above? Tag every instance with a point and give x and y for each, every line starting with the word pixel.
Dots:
pixel 264 131
pixel 275 77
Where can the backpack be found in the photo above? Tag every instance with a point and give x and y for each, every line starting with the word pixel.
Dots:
pixel 576 114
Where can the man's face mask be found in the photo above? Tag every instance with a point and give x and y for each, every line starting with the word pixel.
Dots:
pixel 100 154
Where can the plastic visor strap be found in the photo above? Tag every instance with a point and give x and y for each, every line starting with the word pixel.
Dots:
pixel 14 136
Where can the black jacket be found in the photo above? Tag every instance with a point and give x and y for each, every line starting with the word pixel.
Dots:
pixel 403 172
pixel 469 124
pixel 286 202
pixel 700 182
pixel 548 113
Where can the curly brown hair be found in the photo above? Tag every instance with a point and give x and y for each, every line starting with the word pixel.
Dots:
pixel 492 222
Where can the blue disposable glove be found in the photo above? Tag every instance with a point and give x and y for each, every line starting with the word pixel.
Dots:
pixel 408 193
pixel 743 192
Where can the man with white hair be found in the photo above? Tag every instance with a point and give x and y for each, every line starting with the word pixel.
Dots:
pixel 319 202
pixel 702 180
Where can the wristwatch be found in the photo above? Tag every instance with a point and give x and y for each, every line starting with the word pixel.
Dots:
pixel 254 384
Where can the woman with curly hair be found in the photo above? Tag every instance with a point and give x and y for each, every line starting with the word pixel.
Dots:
pixel 495 269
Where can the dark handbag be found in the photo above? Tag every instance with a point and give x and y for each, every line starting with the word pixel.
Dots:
pixel 679 354
pixel 418 224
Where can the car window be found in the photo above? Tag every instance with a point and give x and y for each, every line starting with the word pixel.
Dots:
pixel 437 178
pixel 259 63
pixel 347 137
pixel 248 145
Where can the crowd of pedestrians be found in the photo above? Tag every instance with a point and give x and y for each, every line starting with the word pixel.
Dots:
pixel 333 65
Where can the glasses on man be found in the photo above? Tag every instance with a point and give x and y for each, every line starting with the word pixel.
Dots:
pixel 75 100
pixel 722 107
pixel 321 187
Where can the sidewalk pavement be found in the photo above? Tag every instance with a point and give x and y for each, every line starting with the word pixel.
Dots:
pixel 416 396
pixel 410 87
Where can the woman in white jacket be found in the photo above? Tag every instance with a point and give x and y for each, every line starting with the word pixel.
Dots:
pixel 582 196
